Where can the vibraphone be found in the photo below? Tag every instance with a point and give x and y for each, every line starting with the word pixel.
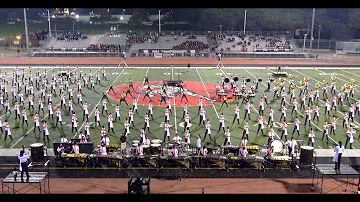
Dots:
pixel 107 160
pixel 281 160
pixel 75 159
pixel 253 149
pixel 112 148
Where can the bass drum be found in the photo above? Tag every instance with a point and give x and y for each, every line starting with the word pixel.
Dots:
pixel 37 152
pixel 278 147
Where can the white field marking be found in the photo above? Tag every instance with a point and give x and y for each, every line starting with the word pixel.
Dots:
pixel 350 79
pixel 342 80
pixel 143 83
pixel 320 147
pixel 0 147
pixel 98 104
pixel 172 74
pixel 323 101
pixel 33 127
pixel 207 92
pixel 199 67
pixel 28 98
pixel 349 72
pixel 258 111
pixel 330 147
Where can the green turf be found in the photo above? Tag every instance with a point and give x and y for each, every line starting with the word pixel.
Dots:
pixel 121 76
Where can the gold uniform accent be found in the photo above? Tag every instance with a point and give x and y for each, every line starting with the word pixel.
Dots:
pixel 352 81
pixel 333 78
pixel 342 89
pixel 325 82
pixel 291 76
pixel 302 82
pixel 293 86
pixel 317 86
pixel 348 85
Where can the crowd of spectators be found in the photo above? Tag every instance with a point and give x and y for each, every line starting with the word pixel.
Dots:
pixel 105 48
pixel 191 45
pixel 150 37
pixel 39 34
pixel 70 36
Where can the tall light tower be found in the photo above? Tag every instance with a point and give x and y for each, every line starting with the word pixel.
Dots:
pixel 26 32
pixel 312 29
pixel 48 12
pixel 245 21
pixel 159 23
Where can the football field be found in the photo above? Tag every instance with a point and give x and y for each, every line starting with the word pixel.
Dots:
pixel 200 82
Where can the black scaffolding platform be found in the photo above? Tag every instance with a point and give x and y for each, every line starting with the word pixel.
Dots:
pixel 327 171
pixel 11 184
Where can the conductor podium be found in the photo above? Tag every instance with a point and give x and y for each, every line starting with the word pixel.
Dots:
pixel 14 184
pixel 280 74
pixel 173 82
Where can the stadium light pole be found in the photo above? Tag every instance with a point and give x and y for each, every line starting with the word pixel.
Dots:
pixel 319 37
pixel 26 32
pixel 159 23
pixel 312 30
pixel 304 42
pixel 48 12
pixel 245 22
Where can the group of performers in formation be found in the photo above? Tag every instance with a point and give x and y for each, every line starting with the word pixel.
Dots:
pixel 310 104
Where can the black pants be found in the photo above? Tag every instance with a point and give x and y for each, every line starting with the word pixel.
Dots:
pixel 337 164
pixel 24 168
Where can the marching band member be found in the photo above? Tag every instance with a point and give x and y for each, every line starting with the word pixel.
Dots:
pixel 311 137
pixel 339 149
pixel 71 107
pixel 270 153
pixel 352 112
pixel 127 127
pixel 24 117
pixel 311 98
pixel 46 131
pixel 142 135
pixel 203 151
pixel 334 121
pixel 207 129
pixel 260 125
pixel 346 119
pixel 97 116
pixel 248 105
pixel 297 126
pixel 110 120
pixel 60 149
pixel 308 112
pixel 185 110
pixel 167 127
pixel 227 136
pixel 294 104
pixel 284 132
pixel 167 114
pixel 222 122
pixel 36 122
pixel 74 122
pixel 303 99
pixel 283 97
pixel 174 152
pixel 31 102
pixel 50 110
pixel 106 140
pixel 102 131
pixel 352 90
pixel 327 107
pixel 350 136
pixel 135 105
pixel 292 94
pixel 176 139
pixel 163 97
pixel 246 130
pixel 83 139
pixel 139 150
pixel 187 137
pixel 117 112
pixel 244 141
pixel 292 145
pixel 224 101
pixel 7 106
pixel 357 107
pixel 62 97
pixel 333 87
pixel 102 149
pixel 268 83
pixel 104 106
pixel 271 136
pixel 334 102
pixel 64 139
pixel 261 106
pixel 147 122
pixel 86 110
pixel 198 143
pixel 317 112
pixel 237 114
pixel 87 129
pixel 150 110
pixel 147 140
pixel 271 116
pixel 187 121
pixel 283 112
pixel 123 97
pixel 326 131
pixel 75 148
pixel 184 92
pixel 131 117
pixel 243 152
pixel 7 130
pixel 317 94
pixel 168 104
pixel 325 91
pixel 1 125
pixel 202 116
pixel 17 109
pixel 103 74
pixel 21 97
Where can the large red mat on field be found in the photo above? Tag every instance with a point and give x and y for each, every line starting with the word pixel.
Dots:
pixel 195 91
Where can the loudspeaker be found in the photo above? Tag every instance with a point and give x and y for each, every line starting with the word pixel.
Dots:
pixel 188 65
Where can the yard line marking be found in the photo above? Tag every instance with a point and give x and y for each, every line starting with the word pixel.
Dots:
pixel 349 72
pixel 172 74
pixel 330 147
pixel 207 92
pixel 320 147
pixel 28 98
pixel 322 100
pixel 32 128
pixel 97 104
pixel 349 81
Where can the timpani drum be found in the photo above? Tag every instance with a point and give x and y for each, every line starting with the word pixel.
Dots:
pixel 37 152
pixel 156 141
pixel 278 147
pixel 135 142
pixel 146 149
pixel 306 155
pixel 155 149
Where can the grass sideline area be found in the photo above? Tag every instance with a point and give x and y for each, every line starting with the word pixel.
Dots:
pixel 200 80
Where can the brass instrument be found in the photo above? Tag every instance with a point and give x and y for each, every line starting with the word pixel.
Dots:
pixel 302 82
pixel 306 79
pixel 317 86
pixel 276 83
pixel 352 81
pixel 348 85
pixel 341 89
pixel 325 82
pixel 291 76
pixel 281 79
pixel 333 78
pixel 293 86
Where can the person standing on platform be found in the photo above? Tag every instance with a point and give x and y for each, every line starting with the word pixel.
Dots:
pixel 339 149
pixel 23 164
